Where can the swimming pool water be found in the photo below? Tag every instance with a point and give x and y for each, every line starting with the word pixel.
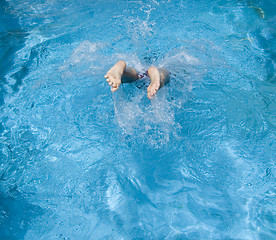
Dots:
pixel 196 162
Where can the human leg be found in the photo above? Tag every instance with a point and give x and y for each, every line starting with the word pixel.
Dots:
pixel 158 78
pixel 120 73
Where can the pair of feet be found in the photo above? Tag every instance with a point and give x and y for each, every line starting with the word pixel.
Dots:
pixel 118 71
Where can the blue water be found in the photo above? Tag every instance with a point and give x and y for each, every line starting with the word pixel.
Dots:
pixel 196 162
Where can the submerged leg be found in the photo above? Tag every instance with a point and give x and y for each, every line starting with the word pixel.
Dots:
pixel 120 73
pixel 158 78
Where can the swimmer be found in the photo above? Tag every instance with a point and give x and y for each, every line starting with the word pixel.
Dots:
pixel 120 73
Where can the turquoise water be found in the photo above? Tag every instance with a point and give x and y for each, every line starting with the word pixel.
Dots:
pixel 196 162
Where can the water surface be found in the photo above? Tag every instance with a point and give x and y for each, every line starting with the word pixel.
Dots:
pixel 78 162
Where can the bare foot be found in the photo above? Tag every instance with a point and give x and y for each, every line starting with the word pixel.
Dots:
pixel 155 81
pixel 114 75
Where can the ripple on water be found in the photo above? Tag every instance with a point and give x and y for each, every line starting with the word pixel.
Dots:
pixel 195 163
pixel 262 214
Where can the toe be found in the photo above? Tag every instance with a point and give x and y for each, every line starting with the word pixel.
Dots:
pixel 113 89
pixel 149 96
